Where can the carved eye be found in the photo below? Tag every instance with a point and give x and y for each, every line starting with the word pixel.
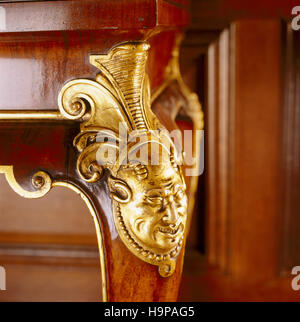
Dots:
pixel 155 199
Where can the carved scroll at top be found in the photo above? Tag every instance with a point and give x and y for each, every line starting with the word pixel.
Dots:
pixel 149 200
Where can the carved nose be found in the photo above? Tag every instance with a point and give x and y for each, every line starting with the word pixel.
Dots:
pixel 171 215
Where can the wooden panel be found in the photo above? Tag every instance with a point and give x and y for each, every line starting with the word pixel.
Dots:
pixel 60 217
pixel 218 148
pixel 291 151
pixel 50 274
pixel 244 126
pixel 212 136
pixel 255 167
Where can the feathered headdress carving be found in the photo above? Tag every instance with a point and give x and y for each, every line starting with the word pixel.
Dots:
pixel 114 106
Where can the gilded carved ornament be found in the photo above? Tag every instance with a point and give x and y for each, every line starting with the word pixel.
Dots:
pixel 149 201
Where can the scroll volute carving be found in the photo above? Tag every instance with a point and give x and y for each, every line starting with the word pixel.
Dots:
pixel 174 99
pixel 149 200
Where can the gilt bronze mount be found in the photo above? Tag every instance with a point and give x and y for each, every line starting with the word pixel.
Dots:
pixel 149 201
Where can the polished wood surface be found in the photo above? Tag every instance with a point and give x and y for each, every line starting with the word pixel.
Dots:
pixel 255 150
pixel 43 273
pixel 93 15
pixel 247 149
pixel 36 59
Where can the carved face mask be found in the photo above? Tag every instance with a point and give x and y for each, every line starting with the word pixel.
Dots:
pixel 150 208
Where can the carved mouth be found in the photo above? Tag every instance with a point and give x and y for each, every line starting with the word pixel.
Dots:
pixel 169 230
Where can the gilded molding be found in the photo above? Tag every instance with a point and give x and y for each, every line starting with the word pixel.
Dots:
pixel 149 201
pixel 30 115
pixel 40 181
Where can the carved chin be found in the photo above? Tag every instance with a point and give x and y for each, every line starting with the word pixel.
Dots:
pixel 160 242
pixel 167 237
pixel 155 243
pixel 160 236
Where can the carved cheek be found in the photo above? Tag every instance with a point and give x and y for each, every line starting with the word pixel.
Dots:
pixel 144 224
pixel 138 218
pixel 139 225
